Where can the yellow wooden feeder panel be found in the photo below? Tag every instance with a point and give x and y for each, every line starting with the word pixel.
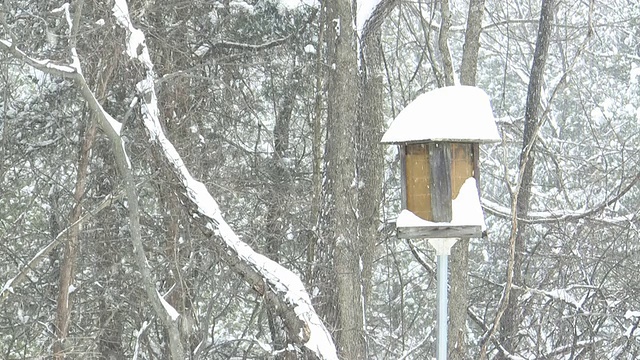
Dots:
pixel 417 175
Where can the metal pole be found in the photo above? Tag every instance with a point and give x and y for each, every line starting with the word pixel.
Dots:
pixel 442 278
pixel 443 250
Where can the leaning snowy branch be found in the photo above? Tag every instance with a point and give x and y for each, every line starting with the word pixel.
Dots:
pixel 277 284
pixel 372 13
pixel 111 128
pixel 47 66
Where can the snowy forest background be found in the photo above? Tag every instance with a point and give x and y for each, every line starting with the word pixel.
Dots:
pixel 278 107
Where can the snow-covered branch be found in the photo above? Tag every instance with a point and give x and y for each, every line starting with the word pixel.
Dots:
pixel 46 66
pixel 560 350
pixel 254 47
pixel 371 14
pixel 278 285
pixel 111 128
pixel 541 217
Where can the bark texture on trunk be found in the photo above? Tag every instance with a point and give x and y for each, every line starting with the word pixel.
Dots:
pixel 370 153
pixel 344 308
pixel 522 195
pixel 459 284
pixel 443 43
pixel 67 267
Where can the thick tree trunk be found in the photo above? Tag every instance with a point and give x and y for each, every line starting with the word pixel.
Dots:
pixel 370 154
pixel 369 159
pixel 512 314
pixel 345 307
pixel 459 291
pixel 471 47
pixel 443 43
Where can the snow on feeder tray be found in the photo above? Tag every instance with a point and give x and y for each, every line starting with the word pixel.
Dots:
pixel 439 135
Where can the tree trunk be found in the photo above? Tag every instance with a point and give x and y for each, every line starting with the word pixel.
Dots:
pixel 369 160
pixel 64 303
pixel 345 307
pixel 459 291
pixel 277 207
pixel 512 314
pixel 370 153
pixel 317 151
pixel 107 254
pixel 67 267
pixel 443 43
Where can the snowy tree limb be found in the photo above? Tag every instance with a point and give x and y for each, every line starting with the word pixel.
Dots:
pixel 535 217
pixel 281 287
pixel 46 66
pixel 111 128
pixel 375 20
pixel 561 350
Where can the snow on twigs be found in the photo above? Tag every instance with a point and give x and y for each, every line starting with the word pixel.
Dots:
pixel 138 333
pixel 294 4
pixel 136 47
pixel 241 5
pixel 631 314
pixel 46 65
pixel 7 286
pixel 310 49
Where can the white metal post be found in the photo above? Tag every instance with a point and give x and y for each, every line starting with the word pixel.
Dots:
pixel 442 298
pixel 443 250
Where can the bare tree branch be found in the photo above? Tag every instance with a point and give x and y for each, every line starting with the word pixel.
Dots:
pixel 12 283
pixel 561 215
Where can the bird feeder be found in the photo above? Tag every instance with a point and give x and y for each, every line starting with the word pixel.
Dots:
pixel 438 135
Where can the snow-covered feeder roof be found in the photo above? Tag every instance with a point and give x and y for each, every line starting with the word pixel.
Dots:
pixel 453 113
